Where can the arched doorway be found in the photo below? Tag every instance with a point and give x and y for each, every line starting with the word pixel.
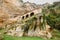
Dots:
pixel 22 17
pixel 31 14
pixel 27 16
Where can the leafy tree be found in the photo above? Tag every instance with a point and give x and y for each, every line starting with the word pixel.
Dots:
pixel 53 19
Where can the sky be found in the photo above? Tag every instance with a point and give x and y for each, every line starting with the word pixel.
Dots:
pixel 41 1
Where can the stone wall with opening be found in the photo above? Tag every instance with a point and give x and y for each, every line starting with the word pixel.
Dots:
pixel 32 13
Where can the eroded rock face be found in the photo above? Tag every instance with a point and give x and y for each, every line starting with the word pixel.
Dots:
pixel 15 2
pixel 9 12
pixel 14 8
pixel 15 32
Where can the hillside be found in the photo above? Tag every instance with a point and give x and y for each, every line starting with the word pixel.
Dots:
pixel 14 8
pixel 53 19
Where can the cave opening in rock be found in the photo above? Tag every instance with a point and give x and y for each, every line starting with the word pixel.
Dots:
pixel 32 14
pixel 22 17
pixel 27 16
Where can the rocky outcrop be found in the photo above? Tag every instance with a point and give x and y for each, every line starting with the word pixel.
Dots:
pixel 17 7
pixel 10 11
pixel 13 8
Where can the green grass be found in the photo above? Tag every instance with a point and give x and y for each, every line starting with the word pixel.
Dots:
pixel 6 37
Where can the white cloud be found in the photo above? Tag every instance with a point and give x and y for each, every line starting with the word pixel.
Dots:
pixel 41 1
